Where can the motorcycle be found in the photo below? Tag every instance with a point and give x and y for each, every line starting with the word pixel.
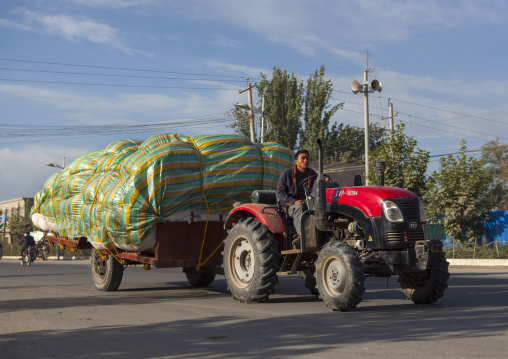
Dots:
pixel 28 256
pixel 43 249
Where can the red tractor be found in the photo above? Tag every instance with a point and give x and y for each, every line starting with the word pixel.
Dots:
pixel 348 233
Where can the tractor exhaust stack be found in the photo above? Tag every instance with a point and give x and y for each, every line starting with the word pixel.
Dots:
pixel 320 196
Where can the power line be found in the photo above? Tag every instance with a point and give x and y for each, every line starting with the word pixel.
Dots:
pixel 109 131
pixel 460 128
pixel 118 68
pixel 114 75
pixel 119 85
pixel 454 112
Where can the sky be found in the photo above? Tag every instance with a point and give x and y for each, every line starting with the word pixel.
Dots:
pixel 76 75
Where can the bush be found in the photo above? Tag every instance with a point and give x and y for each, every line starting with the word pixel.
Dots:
pixel 485 251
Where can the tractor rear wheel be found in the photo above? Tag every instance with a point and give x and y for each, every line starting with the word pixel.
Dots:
pixel 251 260
pixel 107 273
pixel 339 276
pixel 426 287
pixel 201 278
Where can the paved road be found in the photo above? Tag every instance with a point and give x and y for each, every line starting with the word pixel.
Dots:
pixel 51 310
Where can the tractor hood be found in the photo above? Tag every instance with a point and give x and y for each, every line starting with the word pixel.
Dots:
pixel 367 199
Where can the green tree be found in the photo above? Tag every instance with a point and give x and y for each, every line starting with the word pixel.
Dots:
pixel 346 144
pixel 495 156
pixel 283 96
pixel 241 125
pixel 317 116
pixel 19 224
pixel 405 164
pixel 458 196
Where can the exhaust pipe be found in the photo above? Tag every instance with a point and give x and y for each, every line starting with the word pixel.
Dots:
pixel 320 196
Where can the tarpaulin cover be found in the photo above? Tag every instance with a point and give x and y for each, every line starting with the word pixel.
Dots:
pixel 118 195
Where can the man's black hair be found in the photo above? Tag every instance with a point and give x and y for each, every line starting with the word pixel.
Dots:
pixel 301 151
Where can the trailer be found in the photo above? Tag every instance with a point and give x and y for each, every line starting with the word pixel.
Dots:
pixel 193 245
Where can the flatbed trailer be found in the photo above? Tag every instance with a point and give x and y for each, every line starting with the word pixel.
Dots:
pixel 193 245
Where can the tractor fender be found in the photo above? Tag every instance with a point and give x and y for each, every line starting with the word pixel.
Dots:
pixel 265 214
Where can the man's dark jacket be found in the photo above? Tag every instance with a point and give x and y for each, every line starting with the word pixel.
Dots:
pixel 286 189
pixel 27 241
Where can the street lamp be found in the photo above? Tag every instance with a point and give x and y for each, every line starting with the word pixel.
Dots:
pixel 54 164
pixel 243 106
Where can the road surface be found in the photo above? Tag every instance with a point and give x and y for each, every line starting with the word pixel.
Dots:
pixel 52 310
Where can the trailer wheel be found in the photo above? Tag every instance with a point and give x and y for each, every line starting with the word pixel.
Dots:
pixel 201 278
pixel 426 287
pixel 308 275
pixel 251 260
pixel 106 273
pixel 340 276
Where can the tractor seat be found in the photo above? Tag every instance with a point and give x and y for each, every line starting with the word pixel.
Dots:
pixel 264 197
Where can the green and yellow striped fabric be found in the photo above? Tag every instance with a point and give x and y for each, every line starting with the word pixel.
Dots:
pixel 121 193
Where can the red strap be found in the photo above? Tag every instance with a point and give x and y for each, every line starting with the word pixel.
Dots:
pixel 309 174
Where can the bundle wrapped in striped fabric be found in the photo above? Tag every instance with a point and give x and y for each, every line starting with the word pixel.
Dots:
pixel 118 196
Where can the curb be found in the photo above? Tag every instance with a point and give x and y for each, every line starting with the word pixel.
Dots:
pixel 453 262
pixel 478 262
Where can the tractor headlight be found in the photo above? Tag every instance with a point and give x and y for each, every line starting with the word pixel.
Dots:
pixel 423 217
pixel 392 212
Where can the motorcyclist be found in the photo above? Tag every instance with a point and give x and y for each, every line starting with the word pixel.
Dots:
pixel 26 241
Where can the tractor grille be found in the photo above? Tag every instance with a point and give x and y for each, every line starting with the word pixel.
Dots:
pixel 410 210
pixel 405 236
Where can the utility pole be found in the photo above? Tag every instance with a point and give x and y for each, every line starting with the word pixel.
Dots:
pixel 391 116
pixel 366 115
pixel 365 88
pixel 390 113
pixel 251 111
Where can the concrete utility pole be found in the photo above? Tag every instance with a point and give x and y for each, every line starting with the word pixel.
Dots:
pixel 365 88
pixel 251 111
pixel 391 116
pixel 366 115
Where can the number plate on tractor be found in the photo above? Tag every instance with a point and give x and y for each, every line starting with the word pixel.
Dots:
pixel 434 231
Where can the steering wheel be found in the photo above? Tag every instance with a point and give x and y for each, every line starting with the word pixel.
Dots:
pixel 306 179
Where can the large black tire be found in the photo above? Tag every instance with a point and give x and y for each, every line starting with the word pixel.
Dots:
pixel 340 277
pixel 308 275
pixel 251 261
pixel 107 273
pixel 426 287
pixel 201 278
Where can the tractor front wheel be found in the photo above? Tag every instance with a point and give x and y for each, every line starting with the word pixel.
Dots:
pixel 426 287
pixel 340 276
pixel 251 260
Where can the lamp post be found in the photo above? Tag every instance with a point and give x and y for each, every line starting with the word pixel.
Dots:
pixel 244 106
pixel 54 164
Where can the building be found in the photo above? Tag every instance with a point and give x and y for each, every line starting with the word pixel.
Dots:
pixel 21 206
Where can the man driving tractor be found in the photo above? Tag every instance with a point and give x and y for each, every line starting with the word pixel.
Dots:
pixel 291 191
